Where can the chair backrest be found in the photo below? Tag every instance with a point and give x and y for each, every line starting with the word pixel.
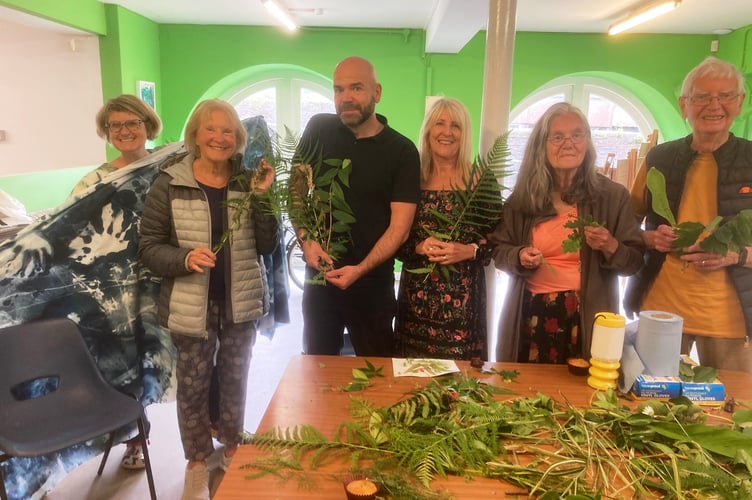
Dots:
pixel 44 364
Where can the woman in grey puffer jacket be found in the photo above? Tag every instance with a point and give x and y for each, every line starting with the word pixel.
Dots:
pixel 209 300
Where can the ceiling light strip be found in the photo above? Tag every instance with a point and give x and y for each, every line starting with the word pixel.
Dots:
pixel 655 10
pixel 280 13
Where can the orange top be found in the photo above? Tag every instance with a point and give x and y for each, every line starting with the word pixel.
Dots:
pixel 560 271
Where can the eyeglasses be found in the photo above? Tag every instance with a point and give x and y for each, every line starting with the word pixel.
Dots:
pixel 576 138
pixel 705 99
pixel 131 125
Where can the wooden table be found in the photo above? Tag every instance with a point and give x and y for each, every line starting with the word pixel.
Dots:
pixel 309 393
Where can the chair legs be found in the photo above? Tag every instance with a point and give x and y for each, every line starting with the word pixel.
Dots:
pixel 110 439
pixel 107 448
pixel 147 461
pixel 3 493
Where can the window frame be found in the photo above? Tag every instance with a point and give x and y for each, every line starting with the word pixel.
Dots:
pixel 288 86
pixel 577 90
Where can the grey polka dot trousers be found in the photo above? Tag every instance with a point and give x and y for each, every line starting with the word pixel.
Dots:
pixel 229 346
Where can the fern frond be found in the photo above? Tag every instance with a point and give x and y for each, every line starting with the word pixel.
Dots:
pixel 478 201
pixel 456 426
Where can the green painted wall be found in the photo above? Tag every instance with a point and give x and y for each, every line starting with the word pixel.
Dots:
pixel 194 58
pixel 408 74
pixel 737 48
pixel 57 186
pixel 86 15
pixel 630 61
pixel 191 62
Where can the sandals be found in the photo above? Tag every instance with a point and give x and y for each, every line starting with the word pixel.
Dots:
pixel 133 458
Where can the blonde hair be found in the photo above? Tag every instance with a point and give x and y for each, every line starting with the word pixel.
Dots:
pixel 457 113
pixel 203 109
pixel 129 104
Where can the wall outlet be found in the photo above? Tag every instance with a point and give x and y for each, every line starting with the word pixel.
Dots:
pixel 714 46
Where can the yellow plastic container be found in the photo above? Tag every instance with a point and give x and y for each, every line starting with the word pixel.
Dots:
pixel 603 374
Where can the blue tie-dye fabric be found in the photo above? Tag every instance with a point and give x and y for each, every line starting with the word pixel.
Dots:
pixel 276 264
pixel 80 262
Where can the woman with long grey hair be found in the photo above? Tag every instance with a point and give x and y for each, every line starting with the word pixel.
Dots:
pixel 561 276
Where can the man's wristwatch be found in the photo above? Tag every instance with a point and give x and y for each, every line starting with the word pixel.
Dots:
pixel 742 257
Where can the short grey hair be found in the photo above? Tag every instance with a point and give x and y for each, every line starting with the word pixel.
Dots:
pixel 714 68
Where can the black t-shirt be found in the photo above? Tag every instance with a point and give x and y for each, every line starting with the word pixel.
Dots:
pixel 215 197
pixel 385 169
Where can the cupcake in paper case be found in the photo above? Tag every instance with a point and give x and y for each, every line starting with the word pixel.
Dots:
pixel 358 487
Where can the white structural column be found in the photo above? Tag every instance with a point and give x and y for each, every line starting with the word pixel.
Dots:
pixel 494 121
pixel 497 77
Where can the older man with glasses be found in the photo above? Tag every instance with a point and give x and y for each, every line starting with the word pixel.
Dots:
pixel 708 174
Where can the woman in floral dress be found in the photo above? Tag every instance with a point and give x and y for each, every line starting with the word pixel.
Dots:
pixel 441 310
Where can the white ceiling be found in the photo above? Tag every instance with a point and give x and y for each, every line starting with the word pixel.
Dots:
pixel 449 23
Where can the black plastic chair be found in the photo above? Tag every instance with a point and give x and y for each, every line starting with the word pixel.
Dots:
pixel 52 395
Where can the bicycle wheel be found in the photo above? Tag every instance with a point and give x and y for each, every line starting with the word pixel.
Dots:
pixel 295 263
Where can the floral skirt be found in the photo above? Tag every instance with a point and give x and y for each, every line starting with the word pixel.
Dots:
pixel 549 332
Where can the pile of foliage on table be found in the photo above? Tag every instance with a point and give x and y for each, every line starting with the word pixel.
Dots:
pixel 542 447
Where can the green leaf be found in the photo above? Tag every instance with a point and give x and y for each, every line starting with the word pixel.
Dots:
pixel 420 270
pixel 355 386
pixel 687 234
pixel 359 374
pixel 438 234
pixel 733 235
pixel 720 440
pixel 705 374
pixel 742 417
pixel 656 183
pixel 326 177
pixel 574 239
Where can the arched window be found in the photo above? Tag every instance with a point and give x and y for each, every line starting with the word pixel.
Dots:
pixel 618 120
pixel 285 99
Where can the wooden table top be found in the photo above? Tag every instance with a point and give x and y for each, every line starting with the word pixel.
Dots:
pixel 310 393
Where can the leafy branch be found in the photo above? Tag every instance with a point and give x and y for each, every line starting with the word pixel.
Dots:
pixel 362 377
pixel 278 153
pixel 240 207
pixel 317 201
pixel 574 239
pixel 719 238
pixel 506 375
pixel 478 204
pixel 457 426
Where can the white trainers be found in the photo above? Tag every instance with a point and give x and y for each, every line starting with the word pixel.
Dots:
pixel 196 485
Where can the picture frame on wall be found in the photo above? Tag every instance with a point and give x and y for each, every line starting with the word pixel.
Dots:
pixel 147 93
